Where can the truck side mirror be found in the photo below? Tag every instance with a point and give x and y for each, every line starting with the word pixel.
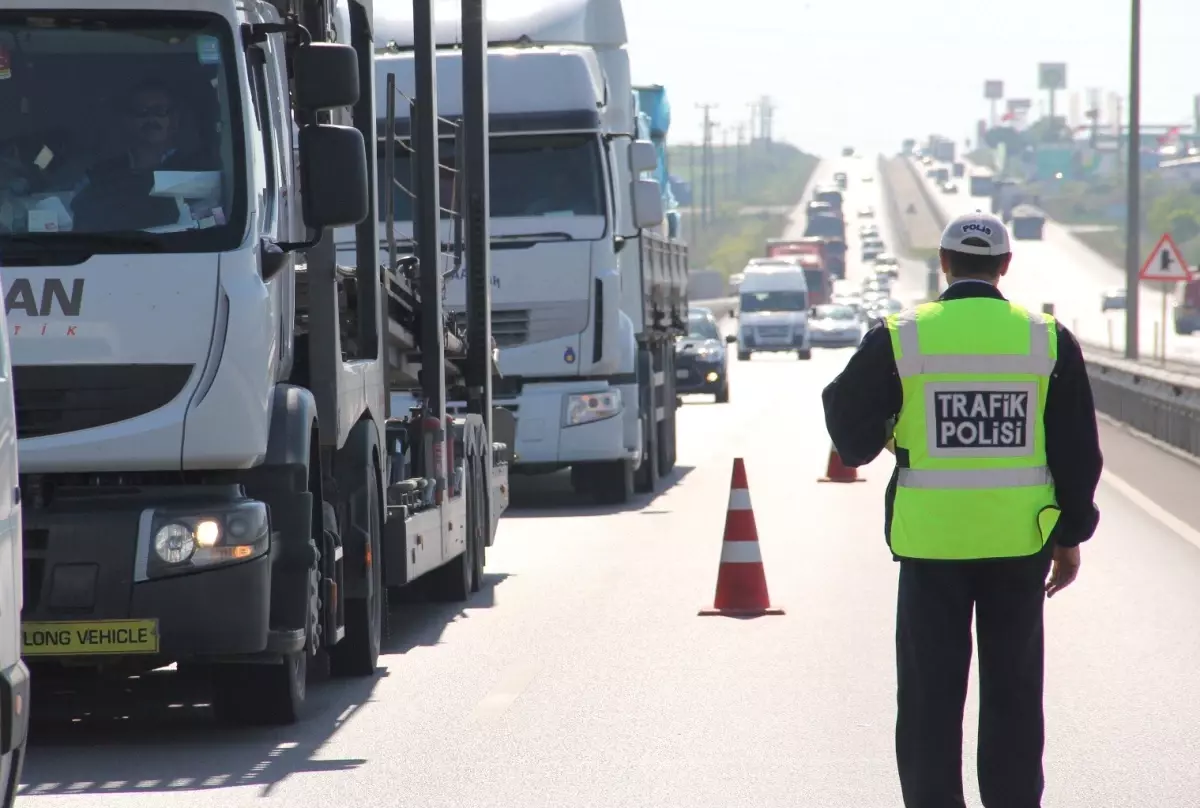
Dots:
pixel 647 204
pixel 642 156
pixel 325 76
pixel 730 339
pixel 333 176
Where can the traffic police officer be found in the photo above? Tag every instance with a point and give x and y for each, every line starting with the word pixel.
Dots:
pixel 988 409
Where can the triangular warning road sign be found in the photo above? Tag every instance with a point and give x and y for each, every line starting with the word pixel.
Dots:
pixel 1165 263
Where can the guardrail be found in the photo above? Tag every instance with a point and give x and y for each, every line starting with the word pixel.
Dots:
pixel 1158 402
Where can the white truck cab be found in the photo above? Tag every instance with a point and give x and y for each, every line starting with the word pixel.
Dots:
pixel 586 295
pixel 773 309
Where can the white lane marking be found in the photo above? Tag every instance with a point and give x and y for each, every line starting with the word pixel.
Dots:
pixel 514 681
pixel 741 552
pixel 1152 508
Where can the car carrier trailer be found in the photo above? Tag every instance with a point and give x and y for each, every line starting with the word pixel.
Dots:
pixel 212 471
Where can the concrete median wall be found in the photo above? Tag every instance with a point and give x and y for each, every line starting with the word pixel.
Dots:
pixel 1160 403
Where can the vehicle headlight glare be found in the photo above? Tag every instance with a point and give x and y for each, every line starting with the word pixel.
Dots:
pixel 174 543
pixel 208 532
pixel 586 407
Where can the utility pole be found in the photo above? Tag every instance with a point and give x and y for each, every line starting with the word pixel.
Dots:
pixel 726 168
pixel 1133 217
pixel 708 192
pixel 737 170
pixel 766 111
pixel 694 183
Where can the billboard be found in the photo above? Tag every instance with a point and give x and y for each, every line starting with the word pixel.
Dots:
pixel 1018 105
pixel 1052 76
pixel 993 90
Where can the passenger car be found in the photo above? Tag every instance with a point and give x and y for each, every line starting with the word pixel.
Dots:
pixel 887 264
pixel 872 248
pixel 700 361
pixel 834 326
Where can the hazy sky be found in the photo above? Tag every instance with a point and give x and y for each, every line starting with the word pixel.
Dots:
pixel 870 72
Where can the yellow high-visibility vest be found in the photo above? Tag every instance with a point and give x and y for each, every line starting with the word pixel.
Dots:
pixel 975 372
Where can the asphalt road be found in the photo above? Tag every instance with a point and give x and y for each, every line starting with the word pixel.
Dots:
pixel 581 675
pixel 1060 269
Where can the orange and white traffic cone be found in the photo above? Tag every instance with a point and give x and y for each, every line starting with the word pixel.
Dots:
pixel 741 579
pixel 838 472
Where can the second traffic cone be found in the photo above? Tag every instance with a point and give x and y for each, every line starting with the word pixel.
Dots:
pixel 838 472
pixel 741 579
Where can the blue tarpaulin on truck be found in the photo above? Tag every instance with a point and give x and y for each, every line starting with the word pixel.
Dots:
pixel 654 119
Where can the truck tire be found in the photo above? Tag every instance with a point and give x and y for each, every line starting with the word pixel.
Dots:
pixel 269 694
pixel 646 477
pixel 366 618
pixel 804 354
pixel 261 695
pixel 743 356
pixel 612 481
pixel 454 581
pixel 477 523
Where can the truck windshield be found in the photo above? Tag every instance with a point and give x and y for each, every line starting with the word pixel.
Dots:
pixel 530 175
pixel 774 301
pixel 120 132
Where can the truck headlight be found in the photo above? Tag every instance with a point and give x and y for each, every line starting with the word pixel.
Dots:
pixel 586 408
pixel 184 541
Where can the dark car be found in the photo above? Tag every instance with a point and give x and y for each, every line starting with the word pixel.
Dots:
pixel 700 365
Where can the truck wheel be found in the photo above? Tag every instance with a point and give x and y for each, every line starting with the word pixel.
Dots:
pixel 743 356
pixel 613 482
pixel 261 695
pixel 358 652
pixel 272 694
pixel 454 581
pixel 804 355
pixel 646 477
pixel 479 525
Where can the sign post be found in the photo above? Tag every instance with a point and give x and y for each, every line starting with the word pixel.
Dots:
pixel 1166 265
pixel 1052 77
pixel 993 91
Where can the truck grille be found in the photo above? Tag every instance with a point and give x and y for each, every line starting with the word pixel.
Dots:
pixel 510 327
pixel 773 331
pixel 56 399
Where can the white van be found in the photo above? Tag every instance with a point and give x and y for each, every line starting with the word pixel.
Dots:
pixel 14 676
pixel 773 309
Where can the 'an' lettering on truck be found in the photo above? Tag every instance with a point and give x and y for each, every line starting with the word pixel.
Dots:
pixel 23 298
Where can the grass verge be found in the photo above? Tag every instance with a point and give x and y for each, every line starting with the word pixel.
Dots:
pixel 752 184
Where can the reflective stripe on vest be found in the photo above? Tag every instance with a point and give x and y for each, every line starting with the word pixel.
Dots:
pixel 973 478
pixel 1038 362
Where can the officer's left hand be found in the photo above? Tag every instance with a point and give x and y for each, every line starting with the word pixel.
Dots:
pixel 1064 571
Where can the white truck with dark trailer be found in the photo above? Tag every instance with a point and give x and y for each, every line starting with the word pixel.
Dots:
pixel 209 471
pixel 588 292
